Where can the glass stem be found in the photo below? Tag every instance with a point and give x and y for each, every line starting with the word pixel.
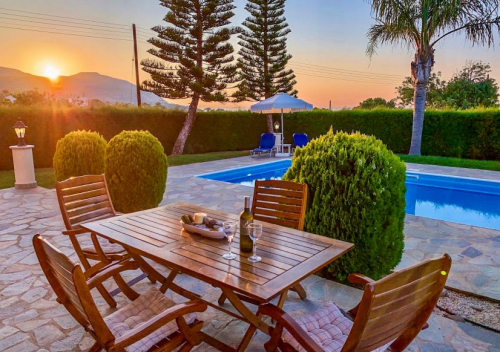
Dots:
pixel 255 248
pixel 230 247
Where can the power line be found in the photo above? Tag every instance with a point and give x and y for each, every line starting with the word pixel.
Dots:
pixel 67 34
pixel 72 18
pixel 59 25
pixel 344 79
pixel 343 70
pixel 59 21
pixel 344 75
pixel 348 75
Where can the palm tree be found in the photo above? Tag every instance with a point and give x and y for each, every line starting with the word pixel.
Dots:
pixel 420 25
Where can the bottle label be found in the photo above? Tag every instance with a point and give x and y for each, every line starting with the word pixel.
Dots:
pixel 245 241
pixel 244 226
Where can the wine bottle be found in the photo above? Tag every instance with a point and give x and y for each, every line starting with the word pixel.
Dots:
pixel 246 218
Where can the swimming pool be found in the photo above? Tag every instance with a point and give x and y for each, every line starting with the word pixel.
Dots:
pixel 461 200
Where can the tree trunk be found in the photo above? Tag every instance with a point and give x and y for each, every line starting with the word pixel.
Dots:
pixel 420 71
pixel 187 126
pixel 270 127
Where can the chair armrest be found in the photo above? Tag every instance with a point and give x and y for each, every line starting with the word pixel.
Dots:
pixel 286 321
pixel 360 279
pixel 160 320
pixel 111 270
pixel 76 232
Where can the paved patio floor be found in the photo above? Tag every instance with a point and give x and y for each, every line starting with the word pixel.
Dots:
pixel 31 319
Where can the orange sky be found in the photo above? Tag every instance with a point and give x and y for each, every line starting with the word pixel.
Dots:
pixel 330 34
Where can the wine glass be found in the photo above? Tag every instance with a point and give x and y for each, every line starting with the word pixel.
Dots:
pixel 229 228
pixel 255 232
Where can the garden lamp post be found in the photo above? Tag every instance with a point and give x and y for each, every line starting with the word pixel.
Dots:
pixel 22 155
pixel 20 129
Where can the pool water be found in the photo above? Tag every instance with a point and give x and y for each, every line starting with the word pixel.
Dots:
pixel 461 200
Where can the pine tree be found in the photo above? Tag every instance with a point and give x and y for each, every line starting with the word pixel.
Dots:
pixel 263 56
pixel 199 59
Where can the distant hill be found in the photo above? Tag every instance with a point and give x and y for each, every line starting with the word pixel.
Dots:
pixel 85 84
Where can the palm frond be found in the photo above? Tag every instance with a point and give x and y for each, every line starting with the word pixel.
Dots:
pixel 479 19
pixel 390 33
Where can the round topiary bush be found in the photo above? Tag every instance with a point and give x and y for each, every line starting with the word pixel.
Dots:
pixel 356 194
pixel 136 171
pixel 79 153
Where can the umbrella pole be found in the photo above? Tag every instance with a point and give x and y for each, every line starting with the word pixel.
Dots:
pixel 282 130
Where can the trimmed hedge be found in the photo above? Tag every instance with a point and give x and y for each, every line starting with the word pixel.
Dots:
pixel 466 134
pixel 356 194
pixel 79 153
pixel 136 171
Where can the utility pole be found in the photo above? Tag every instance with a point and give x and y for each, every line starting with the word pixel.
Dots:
pixel 330 105
pixel 137 83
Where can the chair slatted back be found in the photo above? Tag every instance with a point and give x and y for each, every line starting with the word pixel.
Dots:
pixel 68 281
pixel 267 141
pixel 84 198
pixel 280 202
pixel 397 306
pixel 300 140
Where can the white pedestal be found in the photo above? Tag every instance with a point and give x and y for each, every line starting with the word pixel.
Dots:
pixel 24 168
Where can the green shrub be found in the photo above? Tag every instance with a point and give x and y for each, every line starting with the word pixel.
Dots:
pixel 356 194
pixel 136 171
pixel 79 153
pixel 466 134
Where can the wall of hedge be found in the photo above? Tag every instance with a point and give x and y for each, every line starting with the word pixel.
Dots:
pixel 468 134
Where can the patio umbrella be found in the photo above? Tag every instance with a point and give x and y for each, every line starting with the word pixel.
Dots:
pixel 281 102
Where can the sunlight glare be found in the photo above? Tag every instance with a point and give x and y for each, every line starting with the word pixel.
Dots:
pixel 51 72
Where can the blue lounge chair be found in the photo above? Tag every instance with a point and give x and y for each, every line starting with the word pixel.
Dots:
pixel 267 141
pixel 300 140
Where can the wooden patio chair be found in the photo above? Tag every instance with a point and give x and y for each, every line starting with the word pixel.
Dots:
pixel 389 316
pixel 282 203
pixel 150 322
pixel 84 199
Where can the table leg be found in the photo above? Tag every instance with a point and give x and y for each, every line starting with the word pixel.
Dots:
pixel 152 273
pixel 255 321
pixel 282 299
pixel 248 337
pixel 300 290
pixel 168 281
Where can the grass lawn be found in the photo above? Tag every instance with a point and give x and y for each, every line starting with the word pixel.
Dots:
pixel 45 177
pixel 200 158
pixel 455 162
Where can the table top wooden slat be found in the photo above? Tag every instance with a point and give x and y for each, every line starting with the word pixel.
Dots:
pixel 266 264
pixel 288 255
pixel 287 232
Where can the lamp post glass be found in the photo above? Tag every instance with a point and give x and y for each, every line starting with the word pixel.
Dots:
pixel 277 126
pixel 20 129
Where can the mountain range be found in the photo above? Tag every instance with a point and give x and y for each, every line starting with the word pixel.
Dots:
pixel 91 85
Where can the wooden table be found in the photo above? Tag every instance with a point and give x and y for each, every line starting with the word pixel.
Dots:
pixel 288 257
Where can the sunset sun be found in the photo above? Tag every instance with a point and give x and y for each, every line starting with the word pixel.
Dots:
pixel 51 72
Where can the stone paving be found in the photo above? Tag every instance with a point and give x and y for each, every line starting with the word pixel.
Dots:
pixel 31 320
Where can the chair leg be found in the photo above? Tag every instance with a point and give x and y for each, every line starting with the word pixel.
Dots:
pixel 106 295
pixel 300 291
pixel 186 348
pixel 95 348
